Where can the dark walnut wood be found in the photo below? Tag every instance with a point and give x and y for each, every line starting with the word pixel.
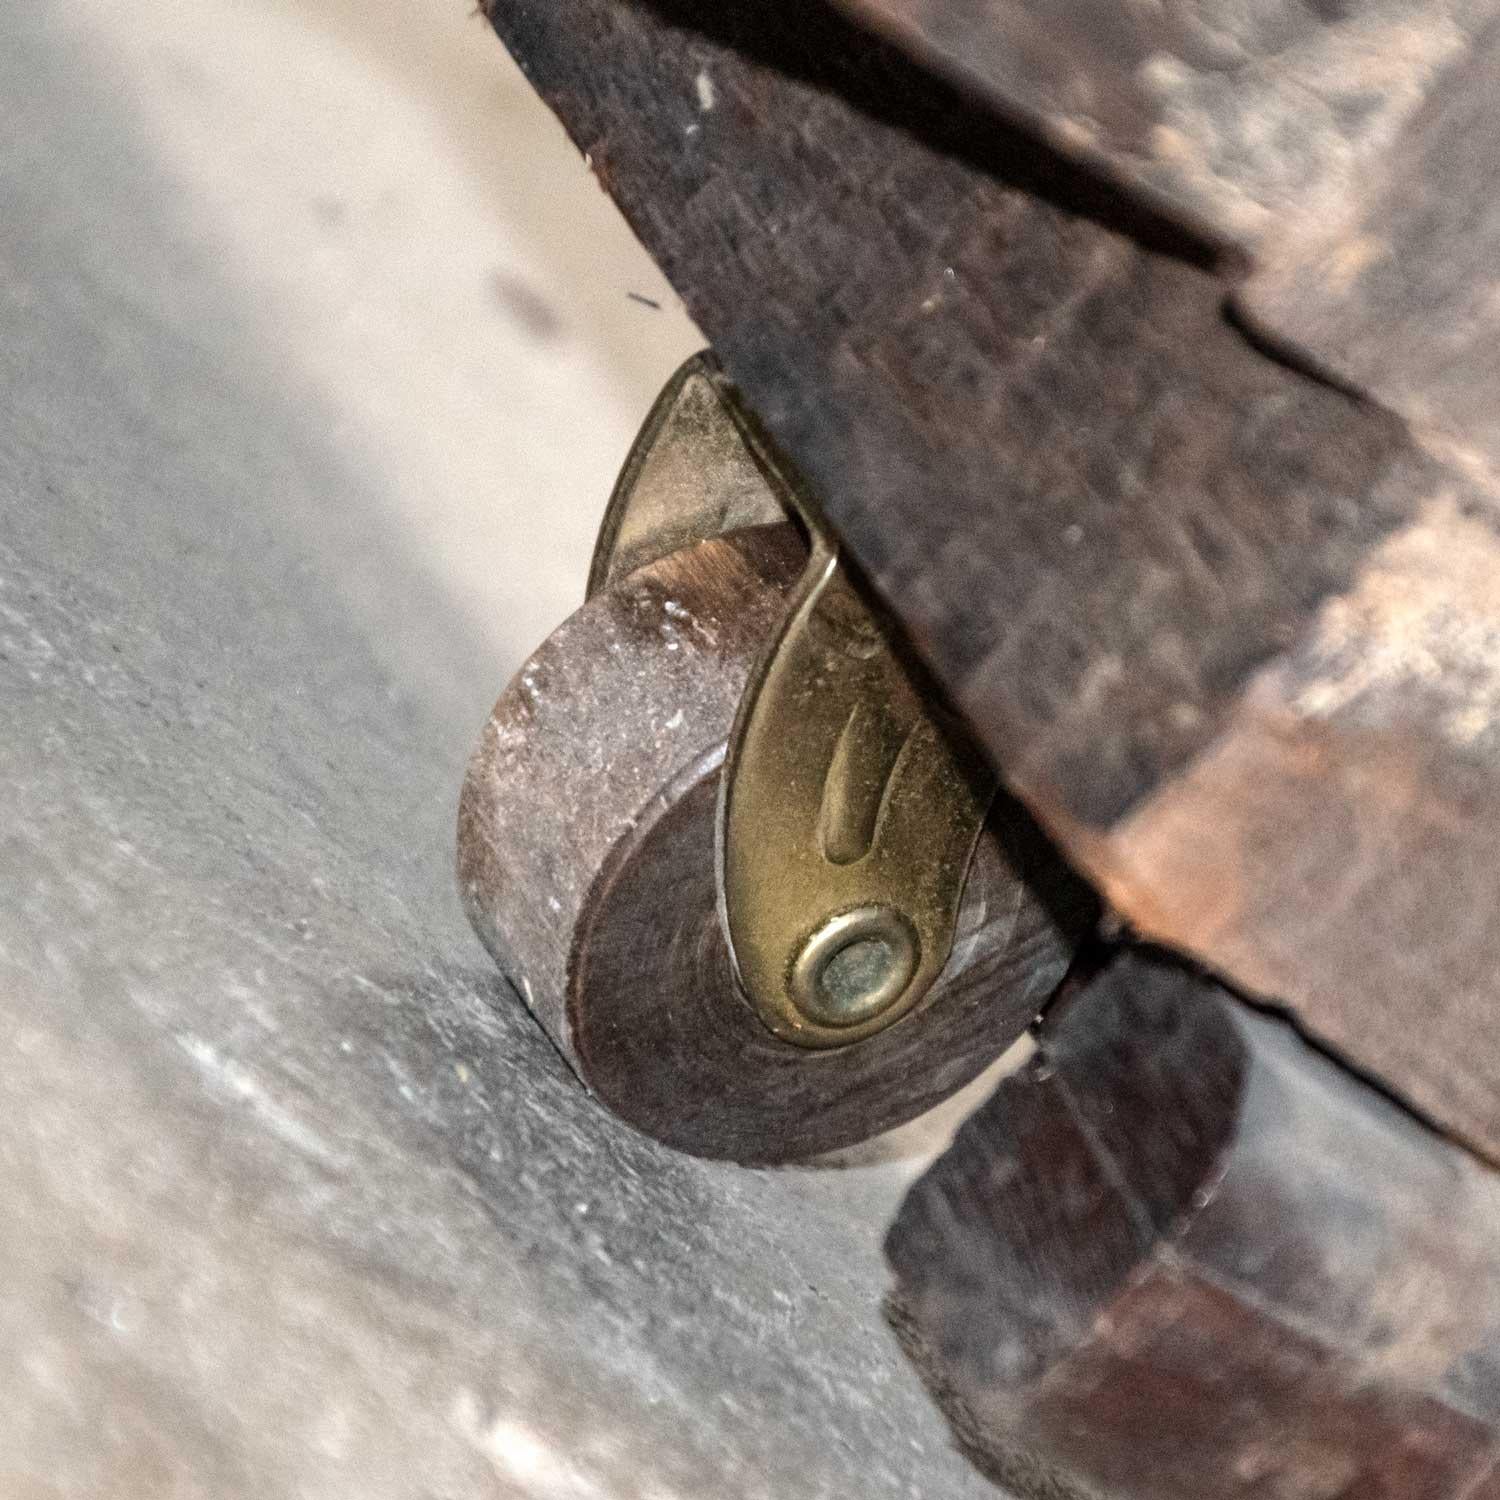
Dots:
pixel 586 857
pixel 1225 629
pixel 1183 1256
pixel 1396 293
pixel 1239 119
pixel 1348 152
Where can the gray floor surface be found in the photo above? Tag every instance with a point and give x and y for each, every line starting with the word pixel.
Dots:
pixel 298 1201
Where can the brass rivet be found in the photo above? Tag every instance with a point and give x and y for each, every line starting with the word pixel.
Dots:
pixel 855 966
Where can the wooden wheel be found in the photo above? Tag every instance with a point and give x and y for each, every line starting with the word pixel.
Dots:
pixel 586 858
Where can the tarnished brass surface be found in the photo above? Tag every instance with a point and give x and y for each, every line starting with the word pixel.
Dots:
pixel 848 815
pixel 847 820
pixel 690 475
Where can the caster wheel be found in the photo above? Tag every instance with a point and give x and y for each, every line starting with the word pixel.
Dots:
pixel 592 860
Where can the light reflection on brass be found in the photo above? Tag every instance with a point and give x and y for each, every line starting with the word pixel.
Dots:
pixel 842 797
pixel 690 476
pixel 847 815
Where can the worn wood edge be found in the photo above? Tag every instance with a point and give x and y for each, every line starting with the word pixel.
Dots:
pixel 1255 132
pixel 1123 286
pixel 1127 1279
pixel 1393 291
pixel 1109 134
pixel 1326 782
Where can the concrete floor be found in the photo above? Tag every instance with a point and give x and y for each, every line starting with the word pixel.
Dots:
pixel 317 357
pixel 426 256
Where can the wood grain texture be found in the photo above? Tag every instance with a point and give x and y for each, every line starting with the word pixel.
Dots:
pixel 1399 294
pixel 1240 119
pixel 1125 539
pixel 1039 438
pixel 1347 151
pixel 1184 1256
pixel 586 857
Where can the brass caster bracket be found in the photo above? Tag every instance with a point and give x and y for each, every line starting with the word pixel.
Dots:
pixel 848 812
pixel 724 844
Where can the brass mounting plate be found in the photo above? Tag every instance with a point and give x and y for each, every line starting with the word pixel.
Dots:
pixel 848 817
pixel 848 813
